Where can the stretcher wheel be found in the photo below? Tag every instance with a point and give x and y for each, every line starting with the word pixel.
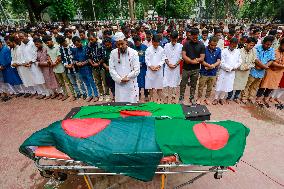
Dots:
pixel 217 175
pixel 46 173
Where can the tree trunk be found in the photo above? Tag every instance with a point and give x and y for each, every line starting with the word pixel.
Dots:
pixel 35 9
pixel 215 11
pixel 131 11
pixel 226 9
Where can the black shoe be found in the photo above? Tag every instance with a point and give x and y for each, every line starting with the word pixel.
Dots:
pixel 6 98
pixel 84 97
pixel 19 95
pixel 27 95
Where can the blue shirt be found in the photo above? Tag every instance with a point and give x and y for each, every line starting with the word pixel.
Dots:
pixel 10 75
pixel 264 56
pixel 163 42
pixel 210 58
pixel 141 52
pixel 80 54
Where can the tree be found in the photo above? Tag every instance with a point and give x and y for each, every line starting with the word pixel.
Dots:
pixel 270 9
pixel 64 9
pixel 221 9
pixel 175 8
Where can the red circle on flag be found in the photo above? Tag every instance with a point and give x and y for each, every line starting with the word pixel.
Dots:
pixel 211 136
pixel 127 113
pixel 84 128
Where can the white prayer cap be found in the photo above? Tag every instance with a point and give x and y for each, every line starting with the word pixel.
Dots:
pixel 119 36
pixel 114 27
pixel 72 27
pixel 279 31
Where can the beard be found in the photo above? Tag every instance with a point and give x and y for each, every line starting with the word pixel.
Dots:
pixel 122 50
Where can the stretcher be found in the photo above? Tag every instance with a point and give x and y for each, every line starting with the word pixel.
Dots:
pixel 55 164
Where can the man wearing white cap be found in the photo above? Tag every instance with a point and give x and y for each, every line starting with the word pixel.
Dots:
pixel 124 67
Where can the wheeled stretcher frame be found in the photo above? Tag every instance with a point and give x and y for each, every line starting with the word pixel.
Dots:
pixel 60 168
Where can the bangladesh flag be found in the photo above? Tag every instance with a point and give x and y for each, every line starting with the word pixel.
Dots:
pixel 202 143
pixel 122 145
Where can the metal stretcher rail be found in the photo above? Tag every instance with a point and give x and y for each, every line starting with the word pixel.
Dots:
pixel 86 170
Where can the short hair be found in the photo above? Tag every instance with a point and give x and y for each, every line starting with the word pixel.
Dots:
pixel 234 40
pixel 251 40
pixel 194 31
pixel 204 32
pixel 268 38
pixel 136 38
pixel 107 40
pixel 37 40
pixel 255 31
pixel 232 31
pixel 148 32
pixel 67 31
pixel 76 39
pixel 46 38
pixel 60 39
pixel 214 39
pixel 217 30
pixel 155 38
pixel 272 32
pixel 174 34
pixel 82 31
pixel 133 31
pixel 160 30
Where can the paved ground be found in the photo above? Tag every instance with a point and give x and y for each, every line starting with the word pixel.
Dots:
pixel 265 148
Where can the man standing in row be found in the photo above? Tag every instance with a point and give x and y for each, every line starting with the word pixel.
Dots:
pixel 193 54
pixel 124 67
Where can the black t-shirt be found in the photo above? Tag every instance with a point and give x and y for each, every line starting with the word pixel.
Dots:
pixel 193 50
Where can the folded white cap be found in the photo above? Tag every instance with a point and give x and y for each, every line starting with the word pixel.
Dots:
pixel 119 36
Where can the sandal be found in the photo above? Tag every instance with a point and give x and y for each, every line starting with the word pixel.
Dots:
pixel 215 102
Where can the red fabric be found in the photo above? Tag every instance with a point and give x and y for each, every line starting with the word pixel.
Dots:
pixel 281 85
pixel 226 43
pixel 84 128
pixel 181 65
pixel 50 152
pixel 211 136
pixel 126 113
pixel 169 159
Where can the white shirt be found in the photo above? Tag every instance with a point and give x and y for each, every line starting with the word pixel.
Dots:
pixel 173 55
pixel 154 57
pixel 125 65
pixel 230 60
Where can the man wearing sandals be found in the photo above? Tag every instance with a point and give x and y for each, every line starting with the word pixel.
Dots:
pixel 230 61
pixel 124 67
pixel 265 57
pixel 248 55
pixel 209 69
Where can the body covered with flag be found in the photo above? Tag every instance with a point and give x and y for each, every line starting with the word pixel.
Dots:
pixel 133 139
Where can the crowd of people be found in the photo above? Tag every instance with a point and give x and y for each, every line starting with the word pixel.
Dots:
pixel 115 62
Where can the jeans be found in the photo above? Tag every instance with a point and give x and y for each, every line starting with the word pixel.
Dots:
pixel 87 77
pixel 75 79
pixel 236 96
